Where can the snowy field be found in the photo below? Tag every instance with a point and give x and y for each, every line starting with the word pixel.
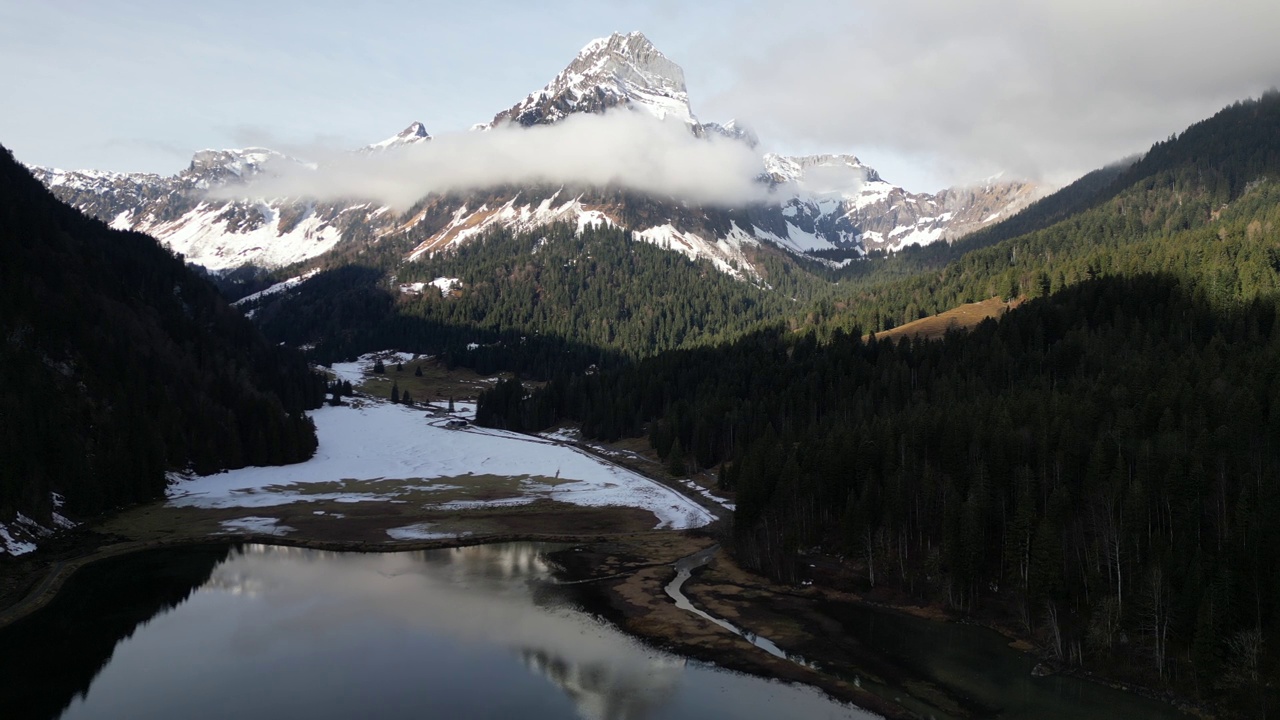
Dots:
pixel 574 436
pixel 23 534
pixel 380 451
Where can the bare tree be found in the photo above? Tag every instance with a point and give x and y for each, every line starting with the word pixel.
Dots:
pixel 1055 631
pixel 1156 614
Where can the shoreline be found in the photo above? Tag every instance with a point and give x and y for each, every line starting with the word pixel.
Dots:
pixel 622 570
pixel 622 577
pixel 45 583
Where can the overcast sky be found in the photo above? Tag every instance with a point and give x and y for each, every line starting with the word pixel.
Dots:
pixel 929 93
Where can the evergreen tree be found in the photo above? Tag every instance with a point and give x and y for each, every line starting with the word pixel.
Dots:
pixel 676 464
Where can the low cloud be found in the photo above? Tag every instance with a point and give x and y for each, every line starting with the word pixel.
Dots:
pixel 620 148
pixel 1046 89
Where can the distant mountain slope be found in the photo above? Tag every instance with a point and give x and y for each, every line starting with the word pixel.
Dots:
pixel 1202 204
pixel 1226 152
pixel 119 364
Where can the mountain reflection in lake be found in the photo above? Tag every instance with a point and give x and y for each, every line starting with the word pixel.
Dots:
pixel 468 632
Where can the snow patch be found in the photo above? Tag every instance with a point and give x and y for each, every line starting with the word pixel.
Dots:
pixel 277 288
pixel 255 525
pixel 381 442
pixel 206 237
pixel 12 545
pixel 357 370
pixel 421 531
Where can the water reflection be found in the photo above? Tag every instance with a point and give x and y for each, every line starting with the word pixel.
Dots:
pixel 481 631
pixel 602 693
pixel 52 657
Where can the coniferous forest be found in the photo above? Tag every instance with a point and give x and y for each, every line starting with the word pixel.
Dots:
pixel 1100 466
pixel 121 364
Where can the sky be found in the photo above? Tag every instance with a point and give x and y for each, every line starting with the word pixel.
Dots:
pixel 929 93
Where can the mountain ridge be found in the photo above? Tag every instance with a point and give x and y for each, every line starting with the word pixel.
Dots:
pixel 608 75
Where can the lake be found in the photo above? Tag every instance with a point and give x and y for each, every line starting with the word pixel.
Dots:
pixel 259 631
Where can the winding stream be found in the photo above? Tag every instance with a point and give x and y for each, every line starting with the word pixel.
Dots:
pixel 684 570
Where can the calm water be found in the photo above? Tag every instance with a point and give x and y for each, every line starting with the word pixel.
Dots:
pixel 270 632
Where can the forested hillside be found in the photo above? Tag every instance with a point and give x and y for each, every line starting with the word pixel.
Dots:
pixel 1193 204
pixel 1099 466
pixel 537 302
pixel 120 364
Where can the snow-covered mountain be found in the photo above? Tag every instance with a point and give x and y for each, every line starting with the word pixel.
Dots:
pixel 217 234
pixel 620 70
pixel 846 203
pixel 412 135
pixel 818 202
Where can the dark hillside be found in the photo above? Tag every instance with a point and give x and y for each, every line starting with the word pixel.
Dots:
pixel 120 363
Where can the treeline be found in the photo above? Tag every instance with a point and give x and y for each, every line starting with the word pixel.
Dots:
pixel 1102 459
pixel 120 364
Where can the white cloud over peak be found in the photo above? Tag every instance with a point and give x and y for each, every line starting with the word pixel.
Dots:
pixel 624 149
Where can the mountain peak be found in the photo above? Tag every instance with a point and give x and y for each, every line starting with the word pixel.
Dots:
pixel 608 72
pixel 415 133
pixel 225 164
pixel 798 169
pixel 732 130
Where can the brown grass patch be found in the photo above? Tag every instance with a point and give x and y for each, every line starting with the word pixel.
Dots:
pixel 437 385
pixel 964 317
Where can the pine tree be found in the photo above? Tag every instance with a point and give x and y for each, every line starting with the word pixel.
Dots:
pixel 675 460
pixel 417 371
pixel 395 392
pixel 404 398
pixel 378 367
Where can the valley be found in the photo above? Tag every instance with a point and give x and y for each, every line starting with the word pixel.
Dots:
pixel 597 408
